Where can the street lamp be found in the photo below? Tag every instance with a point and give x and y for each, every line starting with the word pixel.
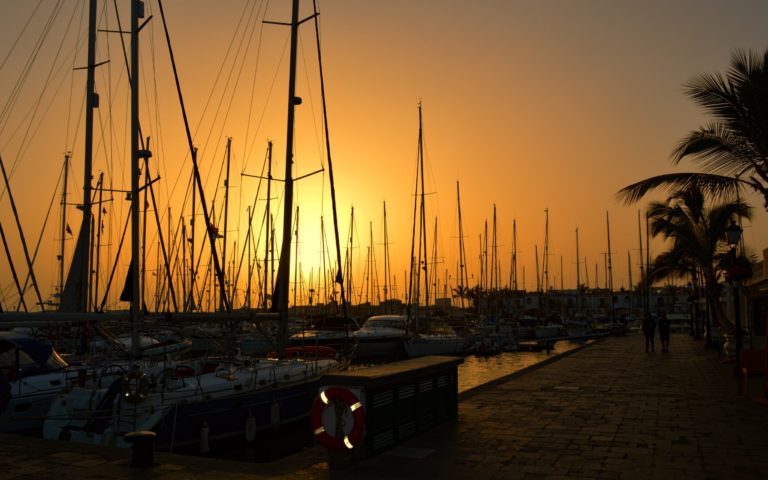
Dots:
pixel 691 330
pixel 732 236
pixel 696 326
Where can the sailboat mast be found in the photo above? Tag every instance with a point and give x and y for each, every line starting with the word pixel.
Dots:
pixel 183 268
pixel 545 257
pixel 284 266
pixel 386 261
pixel 97 246
pixel 514 254
pixel 485 255
pixel 370 286
pixel 413 265
pixel 494 259
pixel 610 268
pixel 423 225
pixel 463 281
pixel 63 231
pixel 436 282
pixel 192 264
pixel 296 262
pixel 92 102
pixel 226 216
pixel 136 6
pixel 267 230
pixel 578 274
pixel 350 248
pixel 248 237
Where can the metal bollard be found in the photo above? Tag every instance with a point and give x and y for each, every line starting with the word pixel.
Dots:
pixel 143 447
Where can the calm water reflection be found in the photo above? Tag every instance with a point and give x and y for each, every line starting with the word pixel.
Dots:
pixel 476 371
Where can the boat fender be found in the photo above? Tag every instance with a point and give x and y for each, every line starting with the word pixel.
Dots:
pixel 250 427
pixel 135 386
pixel 204 445
pixel 343 403
pixel 274 413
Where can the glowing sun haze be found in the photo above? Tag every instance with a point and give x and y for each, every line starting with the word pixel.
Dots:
pixel 529 105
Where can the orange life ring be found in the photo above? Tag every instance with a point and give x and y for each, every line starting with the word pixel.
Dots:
pixel 336 395
pixel 135 386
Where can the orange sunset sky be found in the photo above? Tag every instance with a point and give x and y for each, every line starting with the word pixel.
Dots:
pixel 530 105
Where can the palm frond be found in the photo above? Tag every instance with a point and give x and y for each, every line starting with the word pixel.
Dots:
pixel 716 185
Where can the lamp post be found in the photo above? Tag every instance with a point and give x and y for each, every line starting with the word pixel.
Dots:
pixel 691 330
pixel 733 235
pixel 696 326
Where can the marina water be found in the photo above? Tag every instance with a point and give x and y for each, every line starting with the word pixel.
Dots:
pixel 477 370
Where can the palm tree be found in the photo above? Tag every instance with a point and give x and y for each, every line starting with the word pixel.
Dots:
pixel 732 150
pixel 698 247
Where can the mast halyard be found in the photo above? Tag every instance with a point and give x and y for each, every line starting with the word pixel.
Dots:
pixel 339 277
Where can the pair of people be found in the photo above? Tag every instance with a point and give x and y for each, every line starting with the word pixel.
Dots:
pixel 649 330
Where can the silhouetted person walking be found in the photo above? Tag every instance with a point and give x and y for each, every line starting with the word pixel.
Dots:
pixel 649 330
pixel 664 326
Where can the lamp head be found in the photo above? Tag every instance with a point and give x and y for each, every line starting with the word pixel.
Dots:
pixel 733 234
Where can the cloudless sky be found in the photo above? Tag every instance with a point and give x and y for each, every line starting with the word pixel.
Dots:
pixel 530 105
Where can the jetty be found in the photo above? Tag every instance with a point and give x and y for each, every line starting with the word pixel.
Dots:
pixel 606 410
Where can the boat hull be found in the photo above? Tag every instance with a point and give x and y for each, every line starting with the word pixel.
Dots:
pixel 191 413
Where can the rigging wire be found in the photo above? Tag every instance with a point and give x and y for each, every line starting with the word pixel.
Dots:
pixel 216 116
pixel 15 92
pixel 33 112
pixel 21 33
pixel 40 237
pixel 246 152
pixel 72 79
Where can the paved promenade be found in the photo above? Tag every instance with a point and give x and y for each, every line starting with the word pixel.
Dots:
pixel 609 410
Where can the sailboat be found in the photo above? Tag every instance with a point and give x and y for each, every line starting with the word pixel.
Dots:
pixel 233 399
pixel 426 335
